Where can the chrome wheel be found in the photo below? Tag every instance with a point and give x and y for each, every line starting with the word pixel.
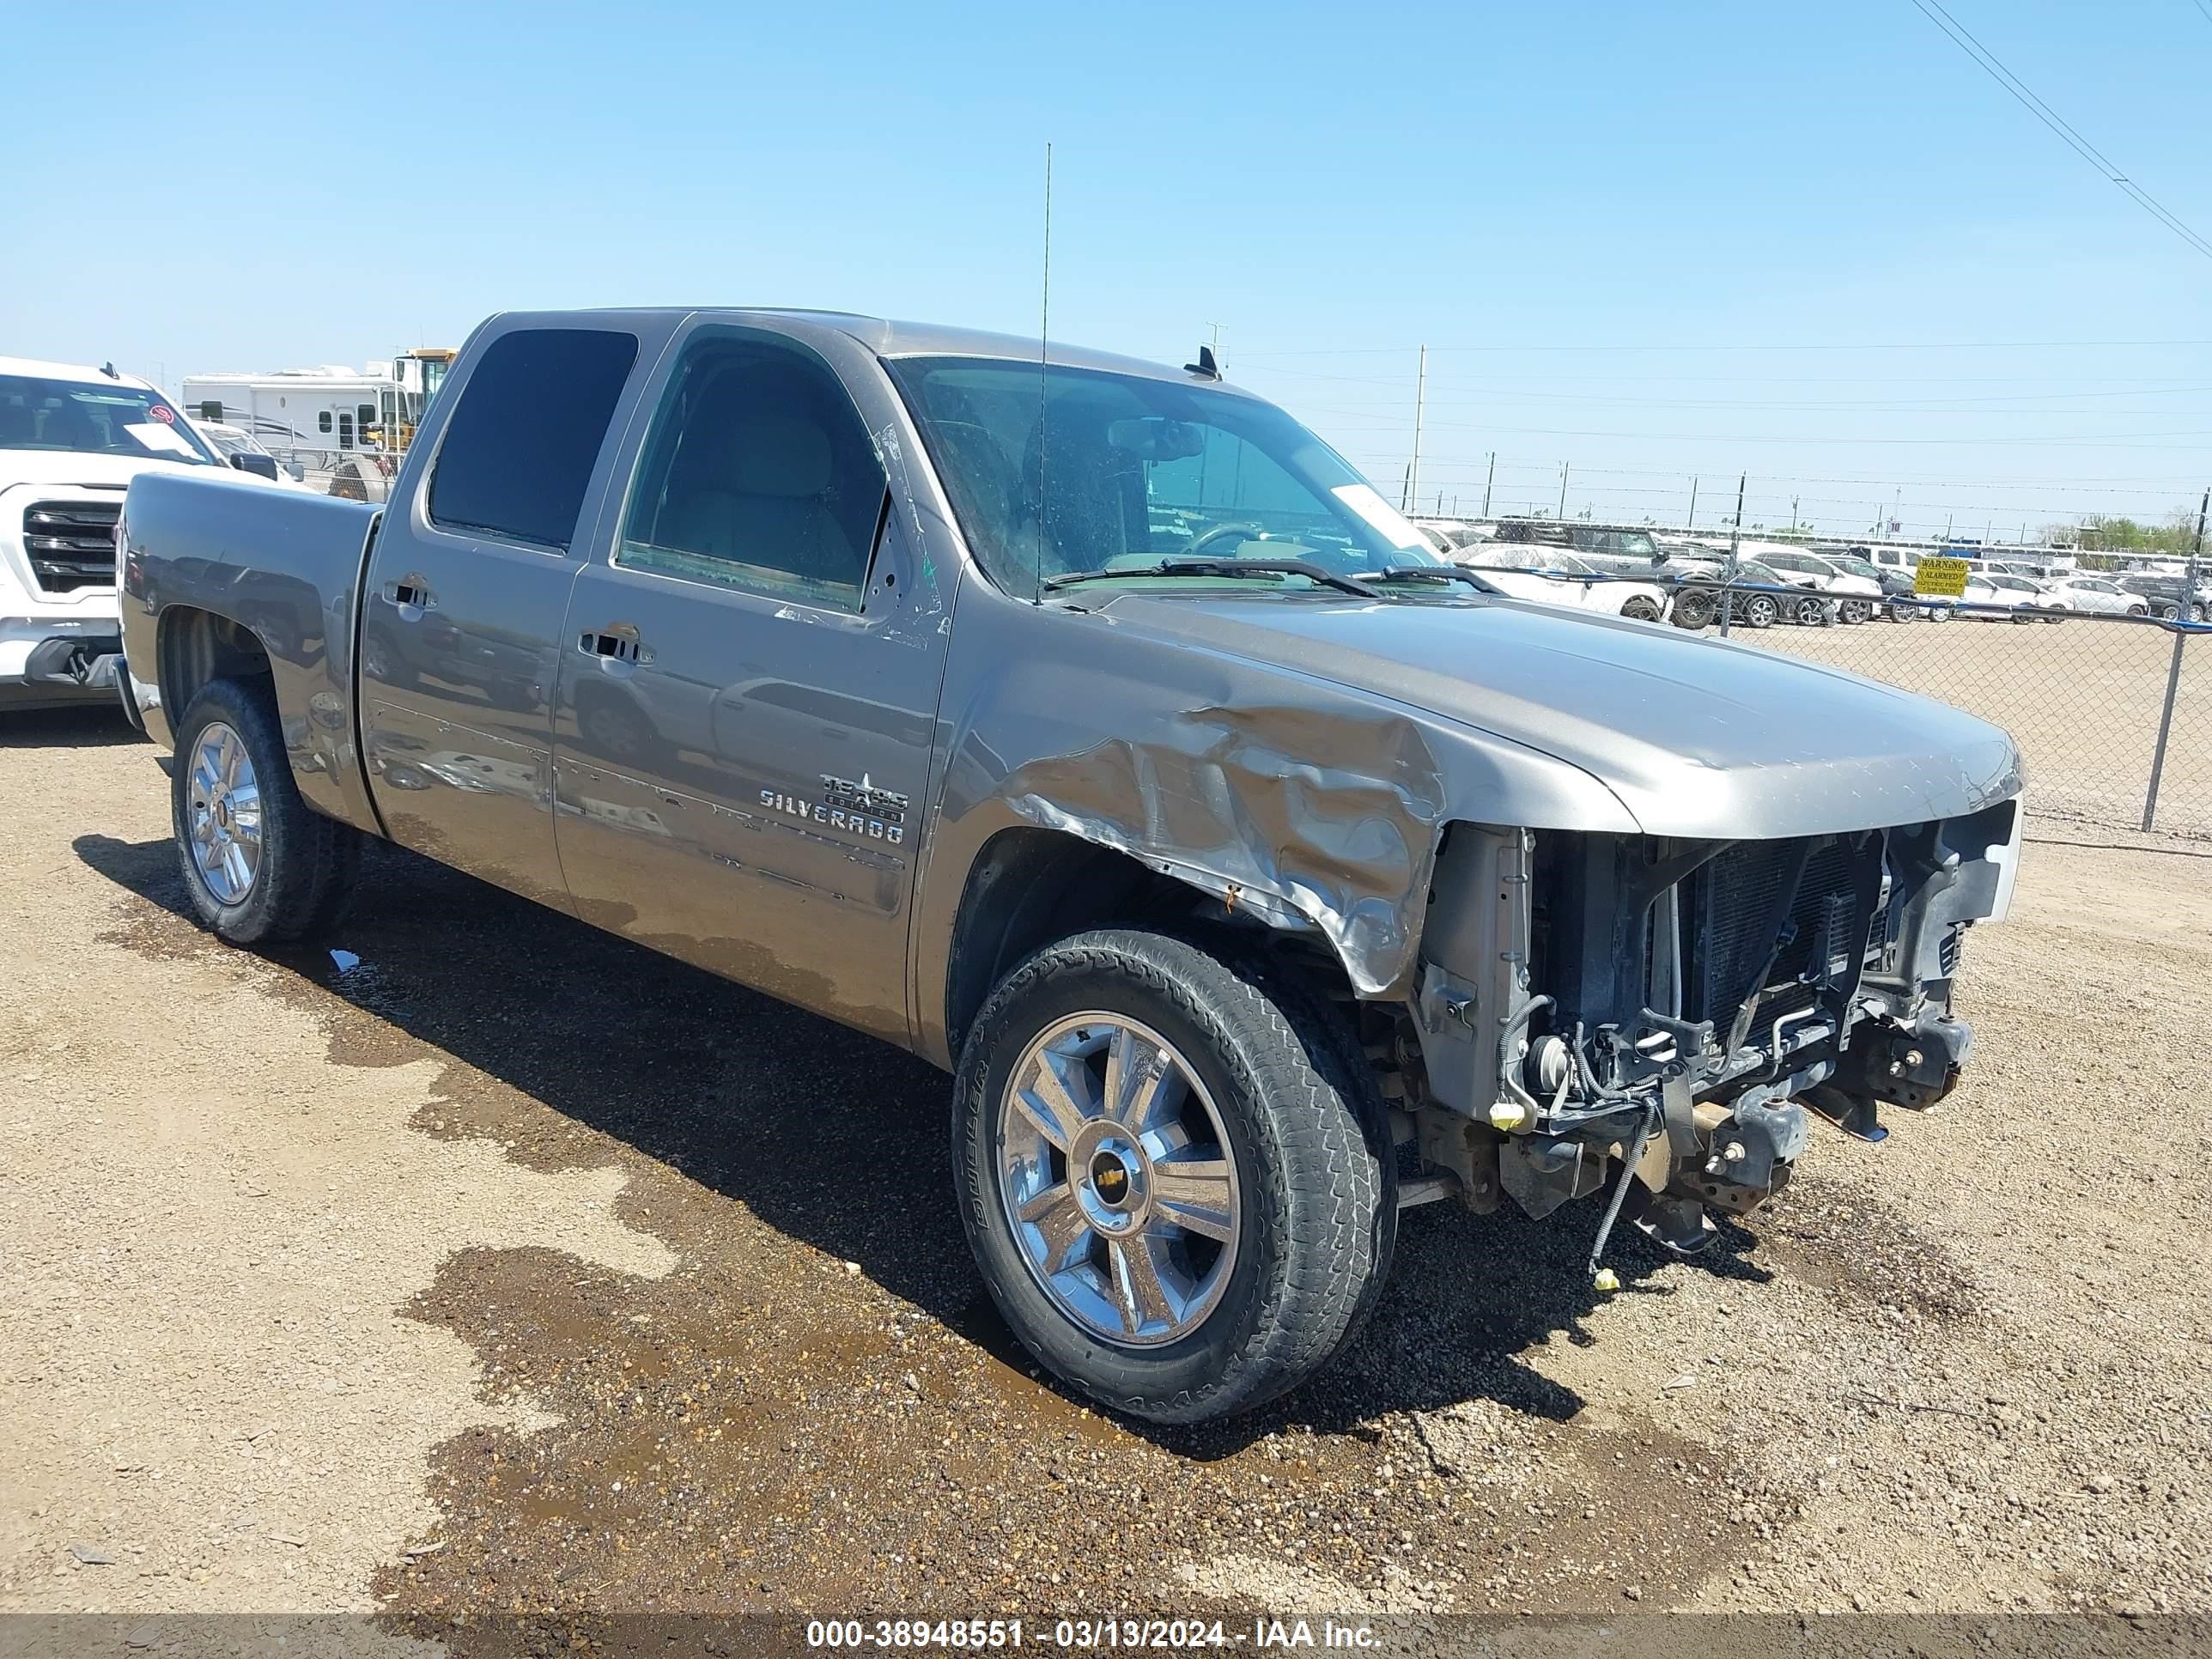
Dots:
pixel 1117 1180
pixel 223 807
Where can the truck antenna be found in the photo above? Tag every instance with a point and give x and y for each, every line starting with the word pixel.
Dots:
pixel 1044 385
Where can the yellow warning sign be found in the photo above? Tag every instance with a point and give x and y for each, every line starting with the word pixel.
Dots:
pixel 1940 578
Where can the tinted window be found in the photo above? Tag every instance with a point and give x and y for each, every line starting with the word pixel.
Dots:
pixel 758 474
pixel 520 450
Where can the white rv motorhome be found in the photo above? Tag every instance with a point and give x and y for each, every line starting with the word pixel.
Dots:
pixel 320 415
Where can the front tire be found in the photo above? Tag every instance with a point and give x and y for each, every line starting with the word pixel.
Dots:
pixel 261 867
pixel 1175 1172
pixel 1811 613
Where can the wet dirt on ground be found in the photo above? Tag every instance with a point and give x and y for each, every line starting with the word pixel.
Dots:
pixel 650 1297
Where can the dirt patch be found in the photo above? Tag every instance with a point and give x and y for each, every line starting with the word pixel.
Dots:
pixel 608 1288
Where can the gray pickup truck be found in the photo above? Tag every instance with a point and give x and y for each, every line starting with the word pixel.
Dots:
pixel 1093 729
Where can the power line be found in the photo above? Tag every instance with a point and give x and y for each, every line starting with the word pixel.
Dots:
pixel 1964 40
pixel 1247 354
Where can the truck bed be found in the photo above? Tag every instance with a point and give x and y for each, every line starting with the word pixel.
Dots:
pixel 286 566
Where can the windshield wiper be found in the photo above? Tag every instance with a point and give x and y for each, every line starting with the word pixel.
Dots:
pixel 1427 573
pixel 1305 568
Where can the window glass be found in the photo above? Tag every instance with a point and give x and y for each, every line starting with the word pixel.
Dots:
pixel 759 474
pixel 103 417
pixel 323 421
pixel 518 454
pixel 1078 471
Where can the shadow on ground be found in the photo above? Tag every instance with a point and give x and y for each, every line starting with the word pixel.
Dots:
pixel 839 1141
pixel 90 726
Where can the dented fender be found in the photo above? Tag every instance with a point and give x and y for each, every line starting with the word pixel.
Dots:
pixel 1309 804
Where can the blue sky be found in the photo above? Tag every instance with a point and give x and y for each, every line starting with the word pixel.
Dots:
pixel 1651 242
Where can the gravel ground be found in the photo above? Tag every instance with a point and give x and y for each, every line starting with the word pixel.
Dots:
pixel 493 1264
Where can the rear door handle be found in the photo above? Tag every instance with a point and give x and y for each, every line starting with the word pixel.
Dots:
pixel 411 593
pixel 617 643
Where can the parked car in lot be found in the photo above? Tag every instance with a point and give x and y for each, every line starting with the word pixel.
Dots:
pixel 1858 597
pixel 71 437
pixel 1449 535
pixel 2024 600
pixel 1895 580
pixel 1549 575
pixel 239 448
pixel 1699 590
pixel 1234 861
pixel 2165 595
pixel 2099 594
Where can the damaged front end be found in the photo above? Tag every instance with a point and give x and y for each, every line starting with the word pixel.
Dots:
pixel 1670 1008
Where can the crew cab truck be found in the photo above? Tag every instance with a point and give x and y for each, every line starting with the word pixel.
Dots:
pixel 71 438
pixel 1091 729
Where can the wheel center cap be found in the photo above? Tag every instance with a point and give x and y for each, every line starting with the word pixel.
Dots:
pixel 222 813
pixel 1108 1172
pixel 1109 1178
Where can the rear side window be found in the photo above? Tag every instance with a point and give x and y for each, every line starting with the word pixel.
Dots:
pixel 520 450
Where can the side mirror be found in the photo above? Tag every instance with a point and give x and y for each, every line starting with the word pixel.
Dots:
pixel 296 470
pixel 261 466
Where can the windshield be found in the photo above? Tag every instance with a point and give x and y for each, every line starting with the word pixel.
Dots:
pixel 1549 559
pixel 1069 471
pixel 95 418
pixel 1858 568
pixel 227 442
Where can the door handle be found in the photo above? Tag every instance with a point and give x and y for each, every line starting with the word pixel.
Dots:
pixel 616 644
pixel 409 592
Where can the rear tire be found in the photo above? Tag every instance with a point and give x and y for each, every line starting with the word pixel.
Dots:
pixel 261 866
pixel 1694 609
pixel 1810 613
pixel 1640 609
pixel 1855 611
pixel 1291 1197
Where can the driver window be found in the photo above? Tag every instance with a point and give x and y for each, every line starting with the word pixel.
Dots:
pixel 757 475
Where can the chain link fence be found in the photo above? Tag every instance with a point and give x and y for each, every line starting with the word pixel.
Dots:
pixel 2112 713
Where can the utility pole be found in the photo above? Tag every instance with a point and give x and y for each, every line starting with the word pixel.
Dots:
pixel 1792 512
pixel 1727 576
pixel 1420 408
pixel 1488 479
pixel 1692 522
pixel 2185 614
pixel 1563 490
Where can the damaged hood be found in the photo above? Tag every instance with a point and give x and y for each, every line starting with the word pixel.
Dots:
pixel 1696 736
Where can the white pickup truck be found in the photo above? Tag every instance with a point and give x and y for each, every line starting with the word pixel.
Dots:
pixel 71 439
